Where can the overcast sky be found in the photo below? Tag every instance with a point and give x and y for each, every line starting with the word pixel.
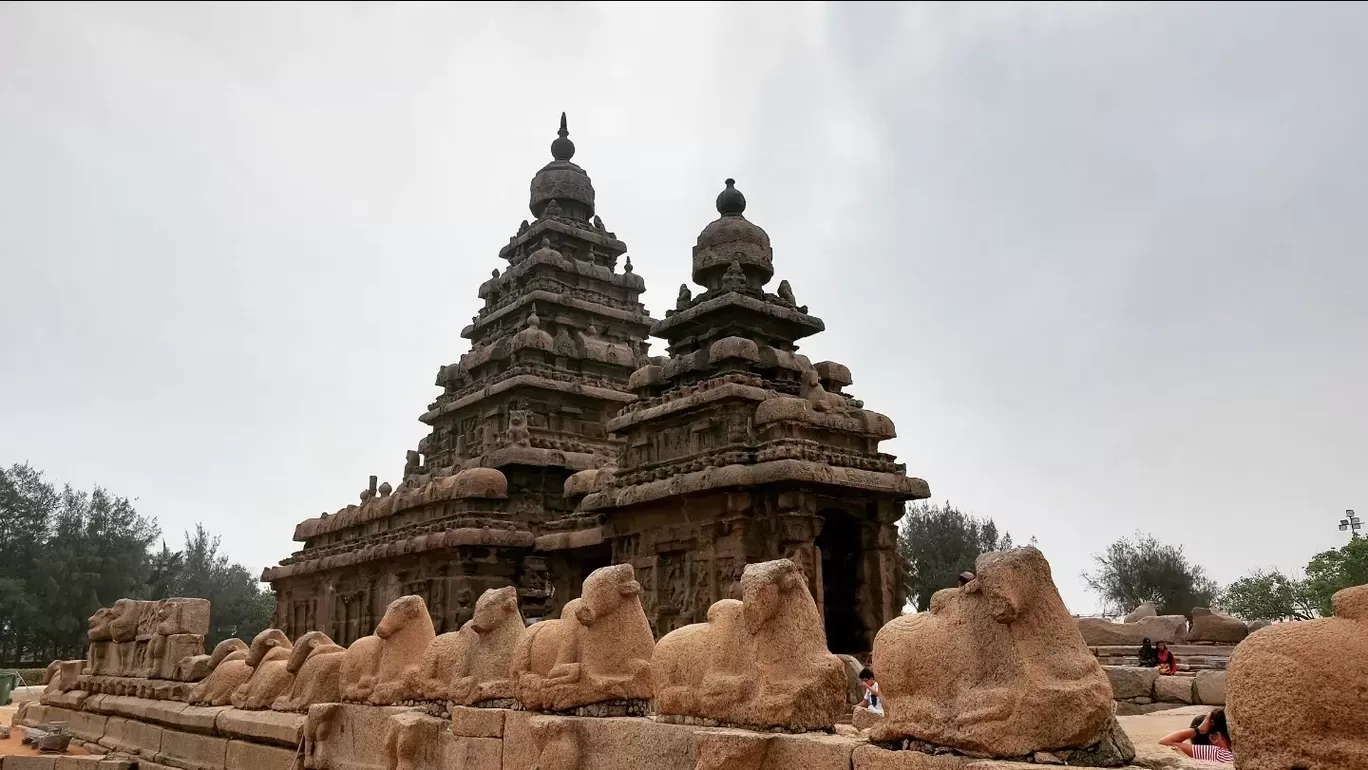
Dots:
pixel 1105 266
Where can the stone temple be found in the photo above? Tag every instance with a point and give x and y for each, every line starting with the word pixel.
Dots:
pixel 558 446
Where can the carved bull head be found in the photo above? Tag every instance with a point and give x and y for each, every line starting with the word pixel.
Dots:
pixel 264 642
pixel 493 608
pixel 605 590
pixel 304 646
pixel 761 588
pixel 399 613
pixel 1006 581
pixel 98 624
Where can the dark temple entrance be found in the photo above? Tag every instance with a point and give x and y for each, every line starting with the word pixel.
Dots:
pixel 839 545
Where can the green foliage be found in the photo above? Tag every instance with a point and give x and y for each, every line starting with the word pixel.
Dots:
pixel 937 543
pixel 64 554
pixel 1268 595
pixel 1131 572
pixel 1331 571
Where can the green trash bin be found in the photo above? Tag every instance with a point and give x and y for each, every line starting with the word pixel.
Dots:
pixel 8 681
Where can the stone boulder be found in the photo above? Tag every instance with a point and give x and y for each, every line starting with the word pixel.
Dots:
pixel 1214 626
pixel 1130 682
pixel 1145 610
pixel 1210 688
pixel 1173 689
pixel 1100 632
pixel 1255 625
pixel 997 668
pixel 759 662
pixel 1296 691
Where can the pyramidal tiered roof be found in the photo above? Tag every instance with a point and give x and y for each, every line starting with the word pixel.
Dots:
pixel 561 325
pixel 735 404
pixel 551 354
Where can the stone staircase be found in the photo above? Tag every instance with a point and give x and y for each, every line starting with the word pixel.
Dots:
pixel 1191 657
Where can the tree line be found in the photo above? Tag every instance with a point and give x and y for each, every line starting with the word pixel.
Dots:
pixel 64 553
pixel 938 542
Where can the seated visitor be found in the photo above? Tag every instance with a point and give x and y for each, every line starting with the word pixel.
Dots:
pixel 871 699
pixel 1148 658
pixel 1212 729
pixel 1167 663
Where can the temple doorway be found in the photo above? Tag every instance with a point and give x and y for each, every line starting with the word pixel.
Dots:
pixel 839 545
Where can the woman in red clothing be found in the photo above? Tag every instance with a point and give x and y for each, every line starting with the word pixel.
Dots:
pixel 1167 663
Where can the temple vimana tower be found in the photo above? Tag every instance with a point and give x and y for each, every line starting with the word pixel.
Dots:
pixel 558 445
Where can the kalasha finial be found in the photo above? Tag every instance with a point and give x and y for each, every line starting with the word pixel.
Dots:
pixel 730 202
pixel 562 148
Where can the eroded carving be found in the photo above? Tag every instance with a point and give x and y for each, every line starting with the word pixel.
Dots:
pixel 314 664
pixel 598 650
pixel 996 668
pixel 759 662
pixel 377 669
pixel 267 658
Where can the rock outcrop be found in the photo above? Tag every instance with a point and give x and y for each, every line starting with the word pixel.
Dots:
pixel 1215 626
pixel 1100 632
pixel 1296 691
pixel 758 662
pixel 997 667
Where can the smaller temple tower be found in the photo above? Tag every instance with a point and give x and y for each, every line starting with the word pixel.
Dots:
pixel 738 449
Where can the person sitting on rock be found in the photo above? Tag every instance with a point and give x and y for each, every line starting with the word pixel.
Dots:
pixel 1167 663
pixel 1215 729
pixel 871 699
pixel 1148 658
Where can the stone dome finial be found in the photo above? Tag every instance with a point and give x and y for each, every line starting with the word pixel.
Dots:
pixel 562 148
pixel 561 188
pixel 730 202
pixel 732 238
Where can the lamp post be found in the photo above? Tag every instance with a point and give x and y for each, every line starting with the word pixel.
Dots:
pixel 1351 523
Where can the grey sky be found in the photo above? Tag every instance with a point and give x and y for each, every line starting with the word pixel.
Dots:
pixel 1104 265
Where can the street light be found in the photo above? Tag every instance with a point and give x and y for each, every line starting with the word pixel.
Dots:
pixel 1351 523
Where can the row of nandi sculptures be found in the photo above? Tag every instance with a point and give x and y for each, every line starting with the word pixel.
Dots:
pixel 996 668
pixel 598 658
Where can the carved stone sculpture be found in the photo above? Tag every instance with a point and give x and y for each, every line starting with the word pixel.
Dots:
pixel 314 664
pixel 267 657
pixel 598 651
pixel 997 667
pixel 377 669
pixel 231 673
pixel 197 667
pixel 124 618
pixel 98 625
pixel 758 662
pixel 470 666
pixel 1295 691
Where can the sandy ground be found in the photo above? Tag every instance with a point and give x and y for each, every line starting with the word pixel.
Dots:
pixel 13 746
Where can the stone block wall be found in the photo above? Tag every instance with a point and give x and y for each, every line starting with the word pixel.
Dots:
pixel 1143 690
